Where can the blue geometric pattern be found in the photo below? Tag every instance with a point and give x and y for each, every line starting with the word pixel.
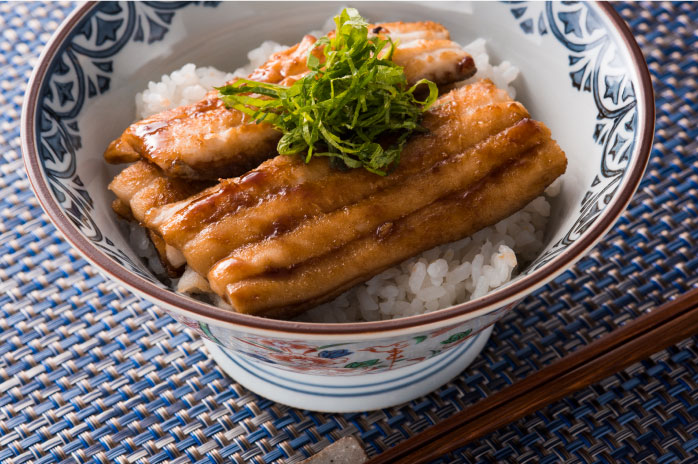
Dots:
pixel 595 67
pixel 91 373
pixel 81 70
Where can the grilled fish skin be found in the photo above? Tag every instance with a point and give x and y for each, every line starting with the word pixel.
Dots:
pixel 440 61
pixel 264 238
pixel 283 192
pixel 407 32
pixel 206 140
pixel 425 51
pixel 143 186
pixel 325 232
pixel 286 293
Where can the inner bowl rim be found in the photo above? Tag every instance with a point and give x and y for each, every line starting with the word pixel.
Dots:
pixel 511 292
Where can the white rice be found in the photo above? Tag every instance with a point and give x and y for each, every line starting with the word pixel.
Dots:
pixel 440 277
pixel 502 75
pixel 190 83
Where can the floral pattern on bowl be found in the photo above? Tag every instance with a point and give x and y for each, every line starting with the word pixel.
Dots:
pixel 350 358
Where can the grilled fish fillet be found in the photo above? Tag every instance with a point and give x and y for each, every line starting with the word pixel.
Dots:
pixel 280 221
pixel 205 140
pixel 425 51
pixel 284 190
pixel 142 186
pixel 285 293
pixel 322 233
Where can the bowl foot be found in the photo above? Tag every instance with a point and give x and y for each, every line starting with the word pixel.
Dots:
pixel 347 393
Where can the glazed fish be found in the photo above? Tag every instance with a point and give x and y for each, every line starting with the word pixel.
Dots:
pixel 290 235
pixel 425 51
pixel 205 140
pixel 285 293
pixel 143 186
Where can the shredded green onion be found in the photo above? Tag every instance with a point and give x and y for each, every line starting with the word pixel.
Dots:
pixel 348 107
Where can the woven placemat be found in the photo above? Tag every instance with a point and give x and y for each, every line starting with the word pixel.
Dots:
pixel 91 373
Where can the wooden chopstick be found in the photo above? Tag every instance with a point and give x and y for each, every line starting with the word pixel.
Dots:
pixel 652 332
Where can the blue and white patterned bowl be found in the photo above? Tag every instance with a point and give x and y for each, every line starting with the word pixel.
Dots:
pixel 582 74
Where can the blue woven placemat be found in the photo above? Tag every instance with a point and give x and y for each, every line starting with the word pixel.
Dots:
pixel 91 373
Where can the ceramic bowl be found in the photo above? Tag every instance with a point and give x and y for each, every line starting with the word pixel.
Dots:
pixel 581 73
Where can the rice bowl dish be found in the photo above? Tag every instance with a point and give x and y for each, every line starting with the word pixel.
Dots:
pixel 306 364
pixel 438 278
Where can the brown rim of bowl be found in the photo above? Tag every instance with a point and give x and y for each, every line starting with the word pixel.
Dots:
pixel 510 292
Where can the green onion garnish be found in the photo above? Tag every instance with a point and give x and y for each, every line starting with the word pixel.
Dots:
pixel 343 106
